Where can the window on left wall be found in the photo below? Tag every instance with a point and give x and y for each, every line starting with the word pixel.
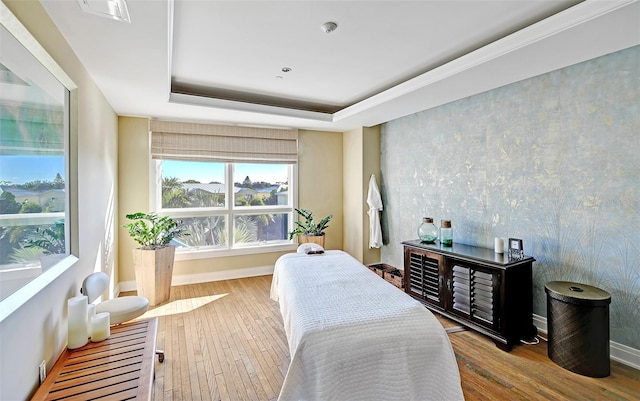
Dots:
pixel 35 122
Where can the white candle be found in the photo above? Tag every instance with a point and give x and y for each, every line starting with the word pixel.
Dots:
pixel 100 327
pixel 498 245
pixel 77 322
pixel 91 311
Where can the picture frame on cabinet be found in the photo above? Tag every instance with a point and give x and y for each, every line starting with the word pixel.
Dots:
pixel 516 249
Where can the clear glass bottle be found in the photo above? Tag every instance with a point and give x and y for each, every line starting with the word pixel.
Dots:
pixel 427 231
pixel 446 233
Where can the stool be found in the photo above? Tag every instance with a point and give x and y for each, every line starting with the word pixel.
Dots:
pixel 120 309
pixel 578 327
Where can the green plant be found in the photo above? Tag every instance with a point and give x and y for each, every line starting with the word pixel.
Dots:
pixel 152 231
pixel 24 254
pixel 49 238
pixel 309 226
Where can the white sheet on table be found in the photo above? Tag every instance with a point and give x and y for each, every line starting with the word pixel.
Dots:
pixel 353 336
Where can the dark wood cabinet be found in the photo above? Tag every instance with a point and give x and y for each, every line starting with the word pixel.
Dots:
pixel 474 286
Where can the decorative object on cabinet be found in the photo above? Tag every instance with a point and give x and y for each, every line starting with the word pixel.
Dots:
pixel 446 233
pixel 476 287
pixel 516 250
pixel 427 231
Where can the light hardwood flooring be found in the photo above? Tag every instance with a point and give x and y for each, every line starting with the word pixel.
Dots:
pixel 225 341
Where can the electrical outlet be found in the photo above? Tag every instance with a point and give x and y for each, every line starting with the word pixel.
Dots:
pixel 43 371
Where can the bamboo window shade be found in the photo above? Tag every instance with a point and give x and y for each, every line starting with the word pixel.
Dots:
pixel 206 142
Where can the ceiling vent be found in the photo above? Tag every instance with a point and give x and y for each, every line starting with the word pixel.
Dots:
pixel 112 9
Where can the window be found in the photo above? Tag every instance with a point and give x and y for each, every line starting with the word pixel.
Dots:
pixel 35 122
pixel 229 208
pixel 234 187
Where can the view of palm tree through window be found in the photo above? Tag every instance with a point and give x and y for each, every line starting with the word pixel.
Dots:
pixel 227 205
pixel 32 211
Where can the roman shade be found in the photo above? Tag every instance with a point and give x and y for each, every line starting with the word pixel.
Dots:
pixel 31 130
pixel 207 142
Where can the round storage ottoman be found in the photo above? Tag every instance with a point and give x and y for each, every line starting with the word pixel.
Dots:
pixel 578 327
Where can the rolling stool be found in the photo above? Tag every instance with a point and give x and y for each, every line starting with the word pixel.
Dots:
pixel 121 309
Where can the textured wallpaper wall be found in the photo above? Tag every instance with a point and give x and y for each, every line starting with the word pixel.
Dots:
pixel 553 160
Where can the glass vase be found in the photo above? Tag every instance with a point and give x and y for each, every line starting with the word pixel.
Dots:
pixel 446 233
pixel 427 231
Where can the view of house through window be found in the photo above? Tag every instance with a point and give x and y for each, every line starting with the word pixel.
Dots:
pixel 33 173
pixel 227 205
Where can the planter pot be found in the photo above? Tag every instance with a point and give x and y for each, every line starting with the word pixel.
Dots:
pixel 316 239
pixel 154 269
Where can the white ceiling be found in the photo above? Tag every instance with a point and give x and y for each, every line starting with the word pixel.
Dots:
pixel 219 61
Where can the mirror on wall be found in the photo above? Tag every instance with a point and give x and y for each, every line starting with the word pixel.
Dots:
pixel 35 127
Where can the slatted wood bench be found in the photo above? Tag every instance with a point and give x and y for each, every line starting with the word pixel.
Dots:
pixel 118 368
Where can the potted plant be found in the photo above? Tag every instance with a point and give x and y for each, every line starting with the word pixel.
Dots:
pixel 153 260
pixel 308 230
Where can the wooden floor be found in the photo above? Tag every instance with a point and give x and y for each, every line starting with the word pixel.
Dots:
pixel 225 341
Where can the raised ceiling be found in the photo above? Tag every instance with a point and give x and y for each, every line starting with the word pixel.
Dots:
pixel 223 61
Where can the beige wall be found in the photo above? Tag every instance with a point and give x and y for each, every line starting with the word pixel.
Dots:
pixel 320 190
pixel 38 330
pixel 370 165
pixel 352 199
pixel 320 187
pixel 361 158
pixel 133 176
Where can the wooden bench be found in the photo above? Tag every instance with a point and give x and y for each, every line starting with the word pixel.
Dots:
pixel 118 368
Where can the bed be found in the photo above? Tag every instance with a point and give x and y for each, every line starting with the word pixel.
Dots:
pixel 353 336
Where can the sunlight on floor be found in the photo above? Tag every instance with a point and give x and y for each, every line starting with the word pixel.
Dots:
pixel 180 306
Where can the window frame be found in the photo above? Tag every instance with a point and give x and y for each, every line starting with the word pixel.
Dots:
pixel 32 288
pixel 229 210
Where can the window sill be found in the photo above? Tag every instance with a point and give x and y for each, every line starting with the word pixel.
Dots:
pixel 195 253
pixel 14 301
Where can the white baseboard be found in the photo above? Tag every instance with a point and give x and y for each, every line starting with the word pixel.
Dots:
pixel 116 290
pixel 187 279
pixel 618 352
pixel 221 275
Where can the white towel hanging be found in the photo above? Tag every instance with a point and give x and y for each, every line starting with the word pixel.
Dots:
pixel 375 207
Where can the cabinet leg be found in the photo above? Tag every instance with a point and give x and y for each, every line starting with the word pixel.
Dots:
pixel 532 333
pixel 505 347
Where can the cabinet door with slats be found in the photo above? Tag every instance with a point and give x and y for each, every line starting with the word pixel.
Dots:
pixel 423 272
pixel 483 299
pixel 472 295
pixel 415 277
pixel 461 290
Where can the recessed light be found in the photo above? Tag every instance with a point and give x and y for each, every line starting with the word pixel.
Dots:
pixel 329 27
pixel 112 9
